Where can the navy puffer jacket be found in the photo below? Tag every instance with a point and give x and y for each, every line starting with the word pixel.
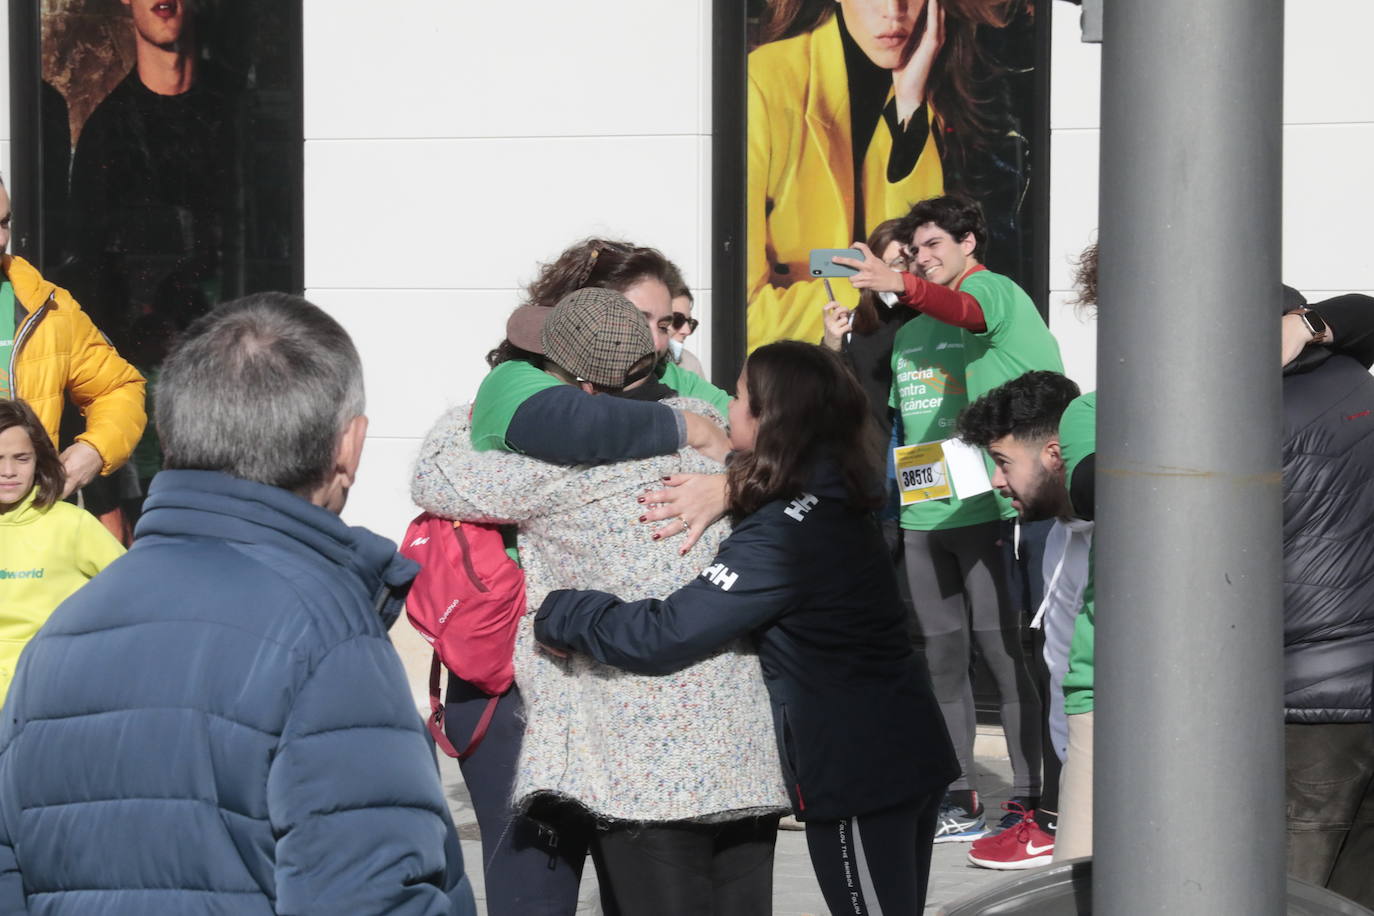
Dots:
pixel 218 724
pixel 1328 539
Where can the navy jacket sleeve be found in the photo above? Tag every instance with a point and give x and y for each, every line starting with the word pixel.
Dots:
pixel 372 836
pixel 748 585
pixel 565 425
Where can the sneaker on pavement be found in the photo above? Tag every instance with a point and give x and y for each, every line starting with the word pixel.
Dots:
pixel 1022 846
pixel 1017 808
pixel 955 825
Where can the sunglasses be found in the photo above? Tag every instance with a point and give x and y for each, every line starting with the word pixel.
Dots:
pixel 680 319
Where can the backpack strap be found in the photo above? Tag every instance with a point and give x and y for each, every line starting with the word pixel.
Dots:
pixel 436 717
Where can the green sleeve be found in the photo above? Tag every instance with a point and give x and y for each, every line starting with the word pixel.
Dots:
pixel 1078 680
pixel 1078 432
pixel 690 385
pixel 498 398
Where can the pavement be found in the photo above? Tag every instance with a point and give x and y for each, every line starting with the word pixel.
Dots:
pixel 794 886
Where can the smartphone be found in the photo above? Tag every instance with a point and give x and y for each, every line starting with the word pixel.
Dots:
pixel 822 266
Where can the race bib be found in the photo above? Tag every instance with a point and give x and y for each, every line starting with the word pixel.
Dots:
pixel 921 472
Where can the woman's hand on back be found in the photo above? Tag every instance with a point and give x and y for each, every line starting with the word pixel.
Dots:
pixel 691 503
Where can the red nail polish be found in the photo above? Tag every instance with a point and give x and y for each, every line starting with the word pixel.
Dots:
pixel 641 499
pixel 644 518
pixel 657 536
pixel 667 478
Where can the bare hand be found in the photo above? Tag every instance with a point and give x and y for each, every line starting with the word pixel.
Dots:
pixel 81 463
pixel 706 437
pixel 693 502
pixel 838 322
pixel 910 79
pixel 556 653
pixel 872 272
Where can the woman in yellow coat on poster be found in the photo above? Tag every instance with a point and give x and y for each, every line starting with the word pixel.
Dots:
pixel 882 83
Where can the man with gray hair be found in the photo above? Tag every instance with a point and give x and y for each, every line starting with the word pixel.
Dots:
pixel 218 722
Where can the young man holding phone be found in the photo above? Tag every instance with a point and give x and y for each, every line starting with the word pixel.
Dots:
pixel 976 330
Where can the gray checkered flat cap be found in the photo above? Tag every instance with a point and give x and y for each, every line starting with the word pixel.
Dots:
pixel 597 335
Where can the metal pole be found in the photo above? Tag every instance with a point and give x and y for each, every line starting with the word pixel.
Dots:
pixel 1188 712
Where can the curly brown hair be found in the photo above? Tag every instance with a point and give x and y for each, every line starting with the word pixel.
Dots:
pixel 1085 278
pixel 48 473
pixel 809 408
pixel 954 91
pixel 603 263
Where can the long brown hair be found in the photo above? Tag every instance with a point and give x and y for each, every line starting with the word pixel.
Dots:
pixel 954 92
pixel 48 473
pixel 866 315
pixel 595 262
pixel 809 408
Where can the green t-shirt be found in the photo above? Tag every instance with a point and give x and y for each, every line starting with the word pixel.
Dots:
pixel 498 398
pixel 1077 440
pixel 690 385
pixel 7 331
pixel 938 369
pixel 928 392
pixel 515 381
pixel 1017 340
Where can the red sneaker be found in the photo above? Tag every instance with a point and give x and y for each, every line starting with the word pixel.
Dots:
pixel 1022 846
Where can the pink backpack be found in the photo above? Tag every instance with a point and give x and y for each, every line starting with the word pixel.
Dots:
pixel 466 602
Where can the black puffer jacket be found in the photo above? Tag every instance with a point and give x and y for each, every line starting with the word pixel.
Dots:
pixel 1328 538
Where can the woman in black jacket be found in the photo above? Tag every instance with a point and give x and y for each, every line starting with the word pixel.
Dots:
pixel 864 749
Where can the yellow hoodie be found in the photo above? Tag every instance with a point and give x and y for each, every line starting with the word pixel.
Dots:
pixel 45 555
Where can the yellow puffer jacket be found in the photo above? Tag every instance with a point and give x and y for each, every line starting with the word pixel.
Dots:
pixel 57 349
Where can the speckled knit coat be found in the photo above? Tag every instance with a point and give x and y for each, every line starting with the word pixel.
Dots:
pixel 695 745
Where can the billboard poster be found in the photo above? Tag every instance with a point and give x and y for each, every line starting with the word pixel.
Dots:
pixel 858 109
pixel 162 160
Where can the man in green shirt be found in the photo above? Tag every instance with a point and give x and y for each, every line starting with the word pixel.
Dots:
pixel 977 329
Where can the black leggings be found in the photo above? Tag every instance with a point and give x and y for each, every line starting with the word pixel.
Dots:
pixel 876 863
pixel 959 585
pixel 684 868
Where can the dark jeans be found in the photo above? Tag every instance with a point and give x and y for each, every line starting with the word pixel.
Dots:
pixel 1329 788
pixel 684 868
pixel 531 864
pixel 876 863
pixel 1026 583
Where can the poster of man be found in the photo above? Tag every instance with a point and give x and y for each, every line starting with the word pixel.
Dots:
pixel 858 109
pixel 181 162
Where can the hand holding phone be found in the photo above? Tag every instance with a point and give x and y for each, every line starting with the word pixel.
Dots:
pixel 823 264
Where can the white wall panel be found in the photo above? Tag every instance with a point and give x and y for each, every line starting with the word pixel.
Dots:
pixel 477 213
pixel 438 68
pixel 1328 194
pixel 380 498
pixel 1073 200
pixel 1326 66
pixel 423 351
pixel 1076 330
pixel 1075 97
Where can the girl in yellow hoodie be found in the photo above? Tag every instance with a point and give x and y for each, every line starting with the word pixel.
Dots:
pixel 48 549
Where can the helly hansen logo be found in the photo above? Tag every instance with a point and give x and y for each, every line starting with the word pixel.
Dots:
pixel 720 575
pixel 800 506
